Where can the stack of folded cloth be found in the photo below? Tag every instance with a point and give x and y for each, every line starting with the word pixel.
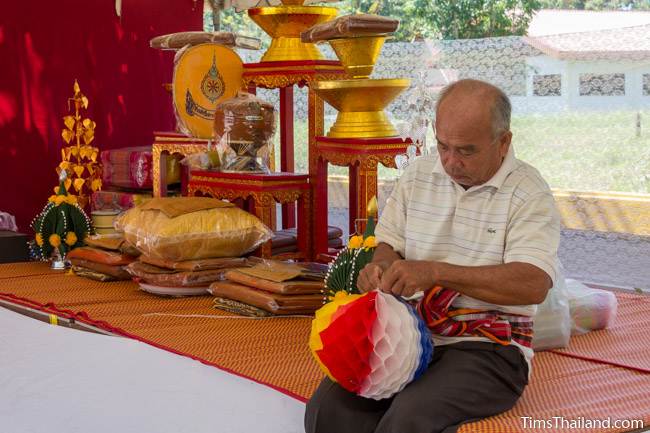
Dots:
pixel 270 288
pixel 351 26
pixel 177 41
pixel 188 242
pixel 127 177
pixel 132 168
pixel 189 277
pixel 286 241
pixel 104 259
pixel 117 200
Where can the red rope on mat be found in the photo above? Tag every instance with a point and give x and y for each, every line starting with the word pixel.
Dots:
pixel 601 361
pixel 82 316
pixel 25 276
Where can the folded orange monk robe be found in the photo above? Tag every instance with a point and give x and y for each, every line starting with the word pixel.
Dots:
pixel 92 275
pixel 169 278
pixel 272 302
pixel 109 242
pixel 274 270
pixel 176 41
pixel 100 256
pixel 177 206
pixel 196 265
pixel 240 308
pixel 290 287
pixel 112 243
pixel 116 271
pixel 350 26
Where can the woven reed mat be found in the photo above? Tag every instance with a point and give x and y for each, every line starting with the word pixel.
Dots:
pixel 274 351
pixel 573 388
pixel 23 269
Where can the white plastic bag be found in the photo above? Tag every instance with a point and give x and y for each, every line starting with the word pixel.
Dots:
pixel 590 308
pixel 8 222
pixel 202 160
pixel 552 322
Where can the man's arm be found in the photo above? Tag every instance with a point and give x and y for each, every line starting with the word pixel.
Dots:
pixel 526 275
pixel 370 275
pixel 514 283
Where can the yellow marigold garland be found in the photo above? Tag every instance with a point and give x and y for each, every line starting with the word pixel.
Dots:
pixel 55 240
pixel 370 242
pixel 355 242
pixel 71 238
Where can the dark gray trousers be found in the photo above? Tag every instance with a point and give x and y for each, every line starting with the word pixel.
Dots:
pixel 465 382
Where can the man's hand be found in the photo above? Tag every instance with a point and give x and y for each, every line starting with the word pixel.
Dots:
pixel 406 277
pixel 370 276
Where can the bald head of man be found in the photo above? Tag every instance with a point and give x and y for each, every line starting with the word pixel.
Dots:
pixel 472 131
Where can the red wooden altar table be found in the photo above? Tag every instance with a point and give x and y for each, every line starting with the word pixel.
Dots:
pixel 283 76
pixel 362 156
pixel 169 143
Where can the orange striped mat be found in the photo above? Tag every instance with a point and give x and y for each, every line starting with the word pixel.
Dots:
pixel 576 391
pixel 274 351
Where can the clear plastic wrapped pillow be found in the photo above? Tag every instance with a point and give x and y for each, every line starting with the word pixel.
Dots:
pixel 190 228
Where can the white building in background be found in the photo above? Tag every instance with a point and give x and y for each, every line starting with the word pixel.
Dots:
pixel 588 60
pixel 557 21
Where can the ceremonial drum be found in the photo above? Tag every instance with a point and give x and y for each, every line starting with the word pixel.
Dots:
pixel 204 75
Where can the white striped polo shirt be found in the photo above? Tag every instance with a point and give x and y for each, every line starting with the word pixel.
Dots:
pixel 510 218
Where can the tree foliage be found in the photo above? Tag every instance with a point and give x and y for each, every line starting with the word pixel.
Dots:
pixel 415 16
pixel 449 19
pixel 469 19
pixel 453 19
pixel 596 5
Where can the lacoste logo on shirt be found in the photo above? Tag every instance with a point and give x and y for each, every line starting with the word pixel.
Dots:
pixel 491 231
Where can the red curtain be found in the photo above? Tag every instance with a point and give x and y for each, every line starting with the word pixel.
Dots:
pixel 44 46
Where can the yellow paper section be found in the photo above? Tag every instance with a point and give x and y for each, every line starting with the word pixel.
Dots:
pixel 322 320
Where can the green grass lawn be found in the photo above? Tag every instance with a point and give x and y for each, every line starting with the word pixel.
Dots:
pixel 587 151
pixel 580 151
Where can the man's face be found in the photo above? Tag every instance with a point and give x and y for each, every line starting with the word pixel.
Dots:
pixel 469 152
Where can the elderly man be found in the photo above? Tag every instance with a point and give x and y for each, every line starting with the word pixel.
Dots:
pixel 479 229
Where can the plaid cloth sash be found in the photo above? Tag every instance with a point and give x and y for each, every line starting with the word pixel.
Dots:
pixel 441 319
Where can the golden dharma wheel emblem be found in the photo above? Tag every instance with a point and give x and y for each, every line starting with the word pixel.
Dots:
pixel 204 75
pixel 212 85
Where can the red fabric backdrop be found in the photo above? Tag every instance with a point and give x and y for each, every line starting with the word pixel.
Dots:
pixel 44 46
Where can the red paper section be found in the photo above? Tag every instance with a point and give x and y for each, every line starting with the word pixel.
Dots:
pixel 347 342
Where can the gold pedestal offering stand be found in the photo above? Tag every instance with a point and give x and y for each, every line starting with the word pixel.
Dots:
pixel 358 55
pixel 361 104
pixel 361 100
pixel 284 24
pixel 362 136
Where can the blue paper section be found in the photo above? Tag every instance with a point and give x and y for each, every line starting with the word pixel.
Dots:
pixel 425 342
